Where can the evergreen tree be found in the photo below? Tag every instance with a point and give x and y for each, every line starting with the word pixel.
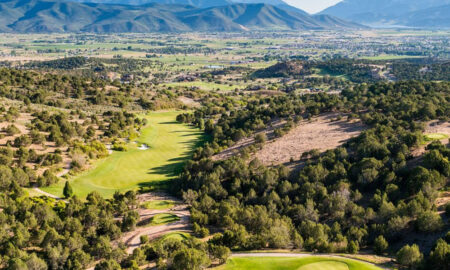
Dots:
pixel 68 192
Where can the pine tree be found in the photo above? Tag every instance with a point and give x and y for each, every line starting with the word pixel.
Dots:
pixel 68 192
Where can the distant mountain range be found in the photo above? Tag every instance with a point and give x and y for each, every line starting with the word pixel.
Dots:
pixel 45 16
pixel 195 3
pixel 409 13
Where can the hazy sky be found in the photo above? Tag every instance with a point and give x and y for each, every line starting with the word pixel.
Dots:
pixel 312 6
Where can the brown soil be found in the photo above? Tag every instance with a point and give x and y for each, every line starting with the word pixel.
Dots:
pixel 189 102
pixel 321 133
pixel 234 149
pixel 437 127
pixel 431 127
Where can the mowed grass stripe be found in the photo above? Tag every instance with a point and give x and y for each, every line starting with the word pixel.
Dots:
pixel 292 263
pixel 170 145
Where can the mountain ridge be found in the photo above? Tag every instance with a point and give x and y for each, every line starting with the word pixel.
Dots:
pixel 46 16
pixel 391 12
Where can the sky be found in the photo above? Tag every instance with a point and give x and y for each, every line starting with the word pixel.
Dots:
pixel 312 6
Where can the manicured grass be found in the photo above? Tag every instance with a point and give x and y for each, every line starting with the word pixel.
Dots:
pixel 158 205
pixel 435 137
pixel 289 263
pixel 170 145
pixel 176 235
pixel 161 219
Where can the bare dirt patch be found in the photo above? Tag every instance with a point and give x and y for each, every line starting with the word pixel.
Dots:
pixel 321 133
pixel 437 127
pixel 434 127
pixel 234 149
pixel 189 102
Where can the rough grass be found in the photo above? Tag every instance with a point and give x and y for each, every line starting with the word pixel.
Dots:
pixel 289 263
pixel 159 205
pixel 170 145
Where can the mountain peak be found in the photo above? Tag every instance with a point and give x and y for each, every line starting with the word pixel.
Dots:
pixel 31 16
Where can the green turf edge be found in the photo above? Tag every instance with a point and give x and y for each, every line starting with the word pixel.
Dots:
pixel 288 263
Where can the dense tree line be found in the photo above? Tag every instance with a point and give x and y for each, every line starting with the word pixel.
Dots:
pixel 439 71
pixel 366 194
pixel 39 233
pixel 73 90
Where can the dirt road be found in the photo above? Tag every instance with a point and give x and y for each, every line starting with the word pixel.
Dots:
pixel 132 239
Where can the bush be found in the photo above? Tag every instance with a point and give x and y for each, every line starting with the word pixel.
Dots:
pixel 118 146
pixel 380 245
pixel 409 256
pixel 353 247
pixel 260 138
pixel 429 222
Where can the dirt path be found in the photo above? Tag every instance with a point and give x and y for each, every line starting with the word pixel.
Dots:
pixel 46 193
pixel 132 239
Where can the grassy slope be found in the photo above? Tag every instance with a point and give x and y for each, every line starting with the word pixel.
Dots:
pixel 161 219
pixel 170 145
pixel 288 263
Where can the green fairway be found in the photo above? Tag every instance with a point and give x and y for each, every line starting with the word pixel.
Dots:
pixel 160 219
pixel 290 263
pixel 170 144
pixel 158 205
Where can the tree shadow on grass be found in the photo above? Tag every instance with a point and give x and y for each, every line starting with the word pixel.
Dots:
pixel 169 123
pixel 174 166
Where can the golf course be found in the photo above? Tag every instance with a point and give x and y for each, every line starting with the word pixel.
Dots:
pixel 167 145
pixel 295 263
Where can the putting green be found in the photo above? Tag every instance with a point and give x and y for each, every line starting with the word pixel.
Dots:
pixel 170 145
pixel 161 219
pixel 435 137
pixel 292 263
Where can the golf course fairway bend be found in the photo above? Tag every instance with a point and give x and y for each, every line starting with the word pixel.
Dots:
pixel 294 263
pixel 169 143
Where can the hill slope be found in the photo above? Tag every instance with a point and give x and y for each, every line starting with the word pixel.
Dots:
pixel 35 16
pixel 195 3
pixel 198 3
pixel 391 12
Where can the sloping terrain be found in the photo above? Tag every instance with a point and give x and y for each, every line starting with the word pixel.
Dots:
pixel 158 156
pixel 321 133
pixel 197 3
pixel 417 13
pixel 41 16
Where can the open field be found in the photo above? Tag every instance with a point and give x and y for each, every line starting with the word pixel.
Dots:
pixel 321 133
pixel 295 263
pixel 170 144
